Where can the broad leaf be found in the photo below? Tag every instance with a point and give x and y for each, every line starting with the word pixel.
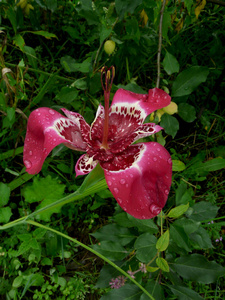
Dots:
pixel 143 225
pixel 187 112
pixel 5 214
pixel 188 80
pixel 201 239
pixel 184 293
pixel 162 264
pixel 155 289
pixel 4 194
pixel 163 241
pixel 195 267
pixel 126 6
pixel 170 124
pixel 111 250
pixel 126 292
pixel 178 211
pixel 145 246
pixel 178 165
pixel 179 237
pixel 170 64
pixel 203 210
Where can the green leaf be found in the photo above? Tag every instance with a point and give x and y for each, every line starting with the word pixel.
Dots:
pixel 70 64
pixel 162 264
pixel 113 251
pixel 45 190
pixel 143 225
pixel 214 164
pixel 4 194
pixel 19 42
pixel 183 195
pixel 67 95
pixel 187 112
pixel 179 237
pixel 188 80
pixel 114 233
pixel 170 64
pixel 126 292
pixel 5 214
pixel 45 34
pixel 155 289
pixel 188 225
pixel 17 282
pixel 92 178
pixel 184 293
pixel 178 165
pixel 170 124
pixel 195 267
pixel 203 211
pixel 123 220
pixel 146 247
pixel 126 6
pixel 163 241
pixel 11 14
pixel 106 274
pixel 31 56
pixel 178 211
pixel 201 239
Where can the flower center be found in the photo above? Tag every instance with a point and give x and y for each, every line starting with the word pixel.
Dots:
pixel 107 85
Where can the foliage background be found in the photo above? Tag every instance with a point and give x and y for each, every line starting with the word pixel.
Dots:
pixel 51 54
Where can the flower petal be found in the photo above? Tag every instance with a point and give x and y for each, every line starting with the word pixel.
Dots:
pixel 143 103
pixel 85 165
pixel 142 187
pixel 46 129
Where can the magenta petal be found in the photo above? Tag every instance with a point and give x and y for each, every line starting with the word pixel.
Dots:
pixel 142 189
pixel 46 129
pixel 145 103
pixel 85 165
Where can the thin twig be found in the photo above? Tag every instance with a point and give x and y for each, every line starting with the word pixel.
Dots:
pixel 160 43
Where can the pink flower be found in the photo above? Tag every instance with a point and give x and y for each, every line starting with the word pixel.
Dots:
pixel 138 175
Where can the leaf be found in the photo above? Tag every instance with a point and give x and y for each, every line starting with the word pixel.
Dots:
pixel 126 6
pixel 183 195
pixel 45 190
pixel 184 293
pixel 126 292
pixel 199 8
pixel 155 289
pixel 203 211
pixel 92 178
pixel 114 233
pixel 17 282
pixel 170 124
pixel 4 194
pixel 179 237
pixel 214 164
pixel 113 251
pixel 178 165
pixel 146 247
pixel 195 267
pixel 201 239
pixel 170 64
pixel 19 42
pixel 45 34
pixel 143 225
pixel 162 264
pixel 31 56
pixel 67 95
pixel 106 274
pixel 188 80
pixel 188 225
pixel 187 112
pixel 5 214
pixel 163 241
pixel 178 211
pixel 70 64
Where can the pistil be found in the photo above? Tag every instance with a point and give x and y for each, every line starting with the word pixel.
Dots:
pixel 107 88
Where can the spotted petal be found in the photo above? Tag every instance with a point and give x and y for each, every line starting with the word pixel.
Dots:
pixel 142 186
pixel 46 129
pixel 144 104
pixel 85 165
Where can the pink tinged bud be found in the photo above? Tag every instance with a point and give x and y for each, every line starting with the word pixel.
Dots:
pixel 142 181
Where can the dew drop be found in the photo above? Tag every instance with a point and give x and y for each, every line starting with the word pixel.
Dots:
pixel 154 158
pixel 109 183
pixel 122 181
pixel 30 152
pixel 51 111
pixel 154 209
pixel 131 175
pixel 158 149
pixel 27 164
pixel 166 192
pixel 169 161
pixel 116 190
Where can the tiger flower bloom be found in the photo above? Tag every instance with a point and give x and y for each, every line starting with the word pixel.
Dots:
pixel 138 175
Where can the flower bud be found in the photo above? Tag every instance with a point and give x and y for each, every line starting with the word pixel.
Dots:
pixel 171 109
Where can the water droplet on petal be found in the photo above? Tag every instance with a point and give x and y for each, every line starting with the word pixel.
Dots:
pixel 109 183
pixel 155 209
pixel 169 161
pixel 154 158
pixel 122 181
pixel 131 175
pixel 116 190
pixel 51 111
pixel 166 192
pixel 27 164
pixel 30 152
pixel 158 149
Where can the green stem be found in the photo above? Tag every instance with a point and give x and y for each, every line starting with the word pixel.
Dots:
pixel 92 251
